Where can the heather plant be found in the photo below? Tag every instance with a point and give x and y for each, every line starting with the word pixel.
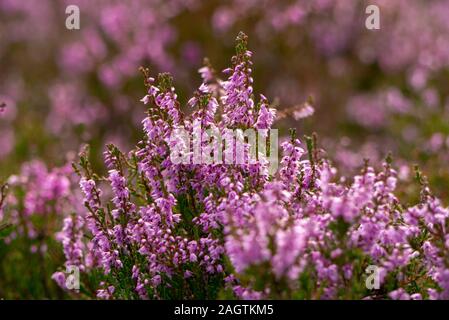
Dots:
pixel 160 231
pixel 156 229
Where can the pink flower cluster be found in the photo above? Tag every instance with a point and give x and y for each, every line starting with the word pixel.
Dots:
pixel 37 199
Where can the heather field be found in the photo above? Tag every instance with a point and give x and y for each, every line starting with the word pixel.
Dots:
pixel 240 149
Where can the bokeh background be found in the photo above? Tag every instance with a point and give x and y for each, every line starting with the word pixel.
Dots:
pixel 373 91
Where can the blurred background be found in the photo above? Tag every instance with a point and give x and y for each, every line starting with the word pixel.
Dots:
pixel 374 91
